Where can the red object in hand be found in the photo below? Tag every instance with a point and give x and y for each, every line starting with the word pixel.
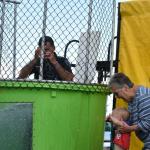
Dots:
pixel 122 140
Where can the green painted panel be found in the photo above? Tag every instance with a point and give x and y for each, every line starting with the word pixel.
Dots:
pixel 62 119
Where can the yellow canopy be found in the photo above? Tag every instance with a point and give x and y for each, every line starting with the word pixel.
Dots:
pixel 134 48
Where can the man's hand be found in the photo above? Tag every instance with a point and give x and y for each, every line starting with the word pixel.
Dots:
pixel 125 128
pixel 37 53
pixel 47 55
pixel 50 56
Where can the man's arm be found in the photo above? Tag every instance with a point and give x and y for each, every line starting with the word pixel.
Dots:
pixel 26 70
pixel 64 74
pixel 144 113
pixel 126 128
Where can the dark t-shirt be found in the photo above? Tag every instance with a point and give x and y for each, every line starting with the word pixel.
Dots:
pixel 49 72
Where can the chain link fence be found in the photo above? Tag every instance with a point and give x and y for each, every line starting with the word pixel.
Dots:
pixel 81 31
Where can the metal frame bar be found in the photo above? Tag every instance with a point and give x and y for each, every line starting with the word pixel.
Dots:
pixel 9 1
pixel 14 44
pixel 43 39
pixel 88 41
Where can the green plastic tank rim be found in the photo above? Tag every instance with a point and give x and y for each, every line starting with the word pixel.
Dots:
pixel 100 88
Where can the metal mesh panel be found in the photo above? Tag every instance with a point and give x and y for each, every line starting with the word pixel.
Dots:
pixel 81 30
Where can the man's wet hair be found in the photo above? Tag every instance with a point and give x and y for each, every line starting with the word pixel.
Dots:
pixel 46 39
pixel 119 80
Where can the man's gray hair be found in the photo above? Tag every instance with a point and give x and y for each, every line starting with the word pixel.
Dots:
pixel 119 80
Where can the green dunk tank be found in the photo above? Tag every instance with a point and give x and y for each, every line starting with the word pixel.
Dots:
pixel 55 115
pixel 51 116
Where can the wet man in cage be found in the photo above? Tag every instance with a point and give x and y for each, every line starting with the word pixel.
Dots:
pixel 54 67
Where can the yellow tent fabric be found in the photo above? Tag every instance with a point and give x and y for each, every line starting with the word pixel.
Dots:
pixel 134 48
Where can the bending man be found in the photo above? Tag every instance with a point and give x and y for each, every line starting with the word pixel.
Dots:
pixel 138 99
